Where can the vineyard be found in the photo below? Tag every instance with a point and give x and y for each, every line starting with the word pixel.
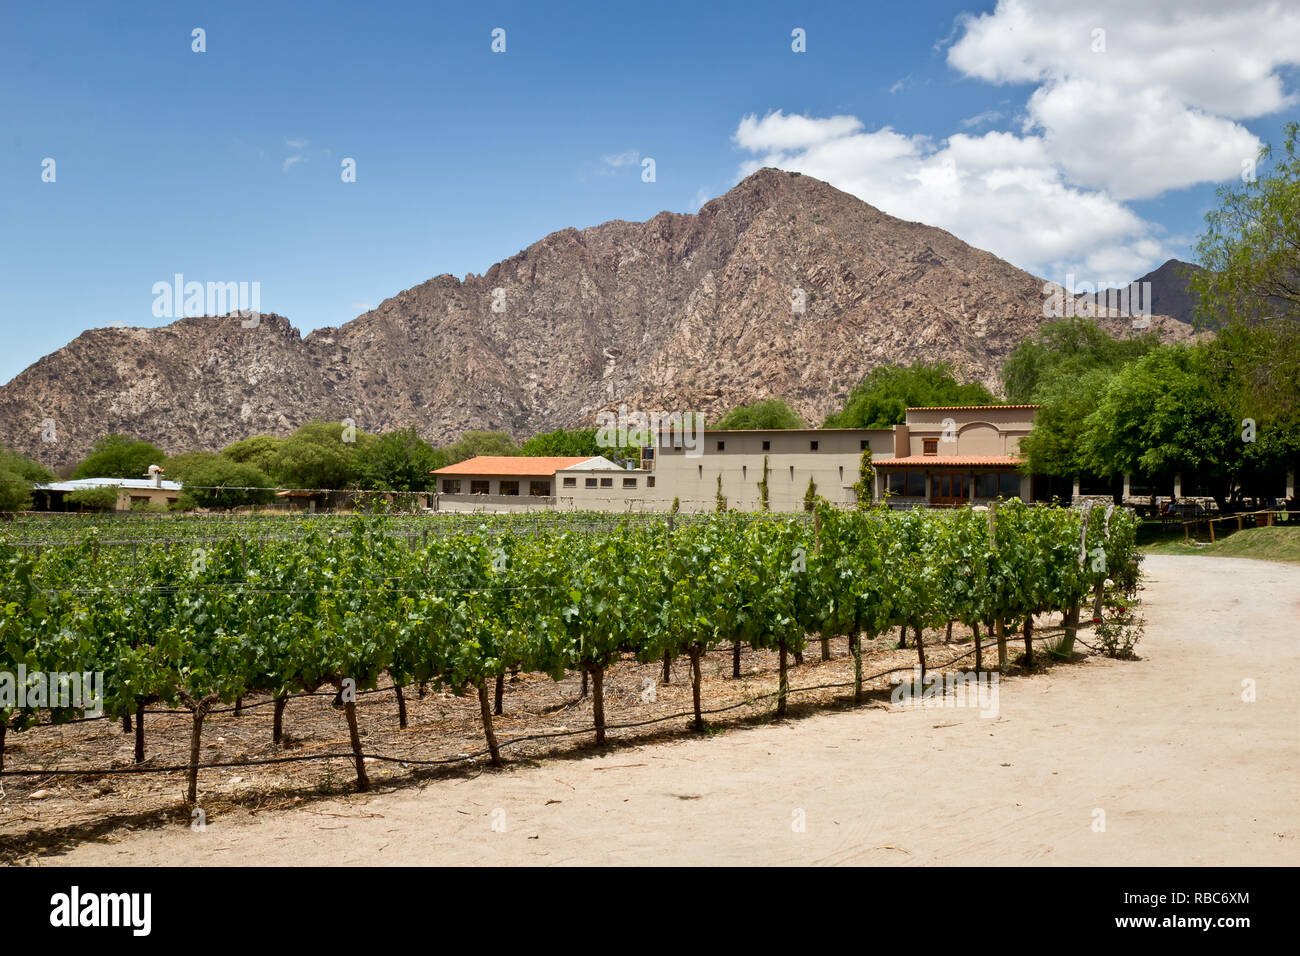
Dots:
pixel 202 618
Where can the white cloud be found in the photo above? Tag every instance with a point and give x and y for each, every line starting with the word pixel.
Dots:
pixel 295 143
pixel 1158 110
pixel 981 119
pixel 997 191
pixel 1138 98
pixel 288 162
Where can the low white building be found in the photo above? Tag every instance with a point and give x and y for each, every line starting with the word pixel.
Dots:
pixel 130 491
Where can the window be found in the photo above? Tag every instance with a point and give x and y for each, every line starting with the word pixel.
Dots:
pixel 862 445
pixel 591 482
pixel 479 487
pixel 812 446
pixel 986 486
pixel 509 488
pixel 722 446
pixel 701 467
pixel 570 481
pixel 650 481
pixel 607 482
pixel 539 489
pixel 629 482
pixel 767 446
pixel 907 484
pixel 930 446
pixel 744 471
pixel 841 472
pixel 1009 485
pixel 451 486
pixel 792 472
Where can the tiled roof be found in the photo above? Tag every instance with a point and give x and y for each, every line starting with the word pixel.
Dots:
pixel 511 465
pixel 963 408
pixel 977 461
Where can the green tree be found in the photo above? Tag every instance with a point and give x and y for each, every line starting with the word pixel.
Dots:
pixel 1064 350
pixel 17 476
pixel 399 461
pixel 1250 294
pixel 260 451
pixel 1055 444
pixel 326 455
pixel 768 413
pixel 579 442
pixel 116 456
pixel 211 480
pixel 100 498
pixel 1251 247
pixel 883 397
pixel 1162 414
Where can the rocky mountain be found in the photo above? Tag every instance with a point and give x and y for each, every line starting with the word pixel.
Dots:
pixel 1170 292
pixel 783 286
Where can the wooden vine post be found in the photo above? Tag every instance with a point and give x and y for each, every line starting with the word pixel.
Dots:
pixel 354 735
pixel 694 651
pixel 598 702
pixel 920 648
pixel 139 732
pixel 199 708
pixel 999 625
pixel 1099 593
pixel 277 723
pixel 1072 613
pixel 401 705
pixel 783 685
pixel 485 711
pixel 855 645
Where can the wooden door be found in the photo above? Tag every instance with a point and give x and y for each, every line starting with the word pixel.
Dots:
pixel 950 489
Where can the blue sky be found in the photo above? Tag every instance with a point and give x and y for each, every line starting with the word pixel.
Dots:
pixel 225 165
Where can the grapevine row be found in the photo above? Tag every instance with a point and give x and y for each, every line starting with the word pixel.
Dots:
pixel 198 627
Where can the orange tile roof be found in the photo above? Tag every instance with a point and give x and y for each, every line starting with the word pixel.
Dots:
pixel 511 465
pixel 962 408
pixel 978 461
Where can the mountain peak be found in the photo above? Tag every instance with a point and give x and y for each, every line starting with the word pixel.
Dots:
pixel 783 286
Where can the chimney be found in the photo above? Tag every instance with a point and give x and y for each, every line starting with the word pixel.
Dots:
pixel 156 474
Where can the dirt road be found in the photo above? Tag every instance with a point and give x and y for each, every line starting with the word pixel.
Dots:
pixel 1184 771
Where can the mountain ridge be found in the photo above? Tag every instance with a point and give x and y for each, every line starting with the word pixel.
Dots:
pixel 680 312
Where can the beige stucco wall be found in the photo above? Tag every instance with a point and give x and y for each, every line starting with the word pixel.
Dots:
pixel 980 431
pixel 490 504
pixel 126 497
pixel 791 462
pixel 615 489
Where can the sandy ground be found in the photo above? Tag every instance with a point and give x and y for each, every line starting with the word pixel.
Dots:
pixel 1185 772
